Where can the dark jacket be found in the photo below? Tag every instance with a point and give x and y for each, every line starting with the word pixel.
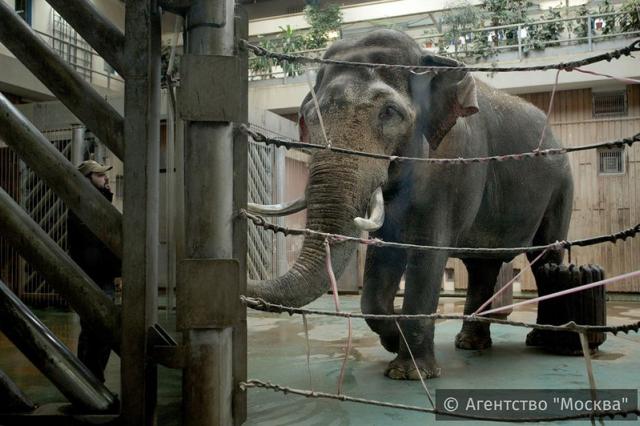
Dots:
pixel 91 254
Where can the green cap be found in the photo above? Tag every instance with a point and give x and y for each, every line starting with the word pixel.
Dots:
pixel 91 166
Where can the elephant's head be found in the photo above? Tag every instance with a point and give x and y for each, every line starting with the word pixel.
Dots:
pixel 382 111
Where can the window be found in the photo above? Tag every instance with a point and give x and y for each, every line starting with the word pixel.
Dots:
pixel 611 161
pixel 23 8
pixel 610 104
pixel 449 274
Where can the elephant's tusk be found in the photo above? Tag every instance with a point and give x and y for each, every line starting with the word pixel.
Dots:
pixel 282 209
pixel 375 218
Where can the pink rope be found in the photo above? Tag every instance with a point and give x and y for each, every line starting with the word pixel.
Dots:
pixel 565 292
pixel 415 364
pixel 336 301
pixel 546 122
pixel 509 284
pixel 621 79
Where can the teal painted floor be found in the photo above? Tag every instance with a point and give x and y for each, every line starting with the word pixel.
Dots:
pixel 277 353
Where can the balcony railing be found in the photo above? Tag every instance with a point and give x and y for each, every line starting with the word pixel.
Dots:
pixel 84 60
pixel 484 44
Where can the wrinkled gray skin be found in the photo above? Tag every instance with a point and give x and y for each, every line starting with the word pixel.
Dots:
pixel 447 115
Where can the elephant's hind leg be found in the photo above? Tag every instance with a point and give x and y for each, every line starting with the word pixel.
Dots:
pixel 482 280
pixel 383 272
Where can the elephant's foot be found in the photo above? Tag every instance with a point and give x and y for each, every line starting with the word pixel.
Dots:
pixel 473 339
pixel 405 369
pixel 535 338
pixel 391 342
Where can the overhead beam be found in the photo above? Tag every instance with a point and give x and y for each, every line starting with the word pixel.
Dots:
pixel 68 279
pixel 97 30
pixel 71 89
pixel 48 163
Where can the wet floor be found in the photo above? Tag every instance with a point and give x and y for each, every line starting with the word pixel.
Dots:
pixel 278 353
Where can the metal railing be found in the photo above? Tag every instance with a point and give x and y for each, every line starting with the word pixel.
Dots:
pixel 89 73
pixel 500 39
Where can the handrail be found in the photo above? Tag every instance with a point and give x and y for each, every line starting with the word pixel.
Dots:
pixel 109 76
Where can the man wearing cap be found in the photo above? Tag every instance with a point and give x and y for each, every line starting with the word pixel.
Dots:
pixel 93 256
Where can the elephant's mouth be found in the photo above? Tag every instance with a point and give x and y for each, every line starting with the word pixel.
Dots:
pixel 373 220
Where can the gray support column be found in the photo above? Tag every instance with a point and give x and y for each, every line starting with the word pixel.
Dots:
pixel 98 31
pixel 280 177
pixel 33 244
pixel 141 207
pixel 71 89
pixel 240 189
pixel 12 399
pixel 77 144
pixel 212 185
pixel 75 190
pixel 49 355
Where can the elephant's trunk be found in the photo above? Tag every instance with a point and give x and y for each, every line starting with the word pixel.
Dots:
pixel 333 201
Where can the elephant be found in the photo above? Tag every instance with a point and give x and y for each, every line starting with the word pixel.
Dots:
pixel 441 114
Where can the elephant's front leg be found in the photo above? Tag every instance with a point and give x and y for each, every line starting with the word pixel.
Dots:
pixel 422 290
pixel 482 281
pixel 382 275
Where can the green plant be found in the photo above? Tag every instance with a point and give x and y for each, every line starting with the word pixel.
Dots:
pixel 581 27
pixel 459 20
pixel 323 21
pixel 290 41
pixel 262 64
pixel 543 35
pixel 630 20
pixel 507 12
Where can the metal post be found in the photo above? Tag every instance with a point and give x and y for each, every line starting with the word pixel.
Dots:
pixel 98 31
pixel 519 43
pixel 170 202
pixel 77 144
pixel 75 190
pixel 211 193
pixel 51 356
pixel 280 176
pixel 72 90
pixel 589 33
pixel 84 296
pixel 141 207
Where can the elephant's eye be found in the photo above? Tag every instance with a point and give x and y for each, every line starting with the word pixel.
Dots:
pixel 389 112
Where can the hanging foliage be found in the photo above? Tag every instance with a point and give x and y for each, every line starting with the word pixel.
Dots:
pixel 323 21
pixel 630 20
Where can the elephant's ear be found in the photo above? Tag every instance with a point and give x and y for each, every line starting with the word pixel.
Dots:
pixel 442 97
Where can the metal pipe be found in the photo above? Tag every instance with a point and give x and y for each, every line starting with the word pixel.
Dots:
pixel 74 92
pixel 209 155
pixel 98 31
pixel 37 248
pixel 48 163
pixel 12 399
pixel 77 144
pixel 49 355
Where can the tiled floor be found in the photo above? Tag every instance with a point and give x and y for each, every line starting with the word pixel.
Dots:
pixel 277 353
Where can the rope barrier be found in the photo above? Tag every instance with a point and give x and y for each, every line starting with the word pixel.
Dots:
pixel 255 383
pixel 336 238
pixel 279 143
pixel 262 305
pixel 566 66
